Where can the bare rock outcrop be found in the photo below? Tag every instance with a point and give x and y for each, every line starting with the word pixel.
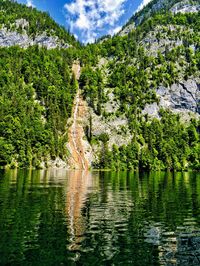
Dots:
pixel 180 7
pixel 11 38
pixel 185 7
pixel 183 97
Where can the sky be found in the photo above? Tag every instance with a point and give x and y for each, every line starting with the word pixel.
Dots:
pixel 89 19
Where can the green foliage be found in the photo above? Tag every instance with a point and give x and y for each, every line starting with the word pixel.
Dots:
pixel 37 90
pixel 36 96
pixel 39 22
pixel 133 76
pixel 167 145
pixel 91 82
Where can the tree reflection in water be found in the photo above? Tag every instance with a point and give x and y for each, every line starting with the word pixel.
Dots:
pixel 61 217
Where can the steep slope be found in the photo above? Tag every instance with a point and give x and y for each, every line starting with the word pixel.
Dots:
pixel 148 91
pixel 160 6
pixel 79 148
pixel 137 101
pixel 26 26
pixel 37 87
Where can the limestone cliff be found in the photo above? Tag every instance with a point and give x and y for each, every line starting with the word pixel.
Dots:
pixel 182 98
pixel 10 38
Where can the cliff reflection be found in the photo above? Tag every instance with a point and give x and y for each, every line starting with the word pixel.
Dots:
pixel 78 186
pixel 103 218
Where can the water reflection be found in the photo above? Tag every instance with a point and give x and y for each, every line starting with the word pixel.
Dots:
pixel 182 245
pixel 32 223
pixel 60 217
pixel 78 185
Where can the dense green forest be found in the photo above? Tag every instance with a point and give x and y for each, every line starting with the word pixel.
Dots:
pixel 157 145
pixel 37 89
pixel 36 96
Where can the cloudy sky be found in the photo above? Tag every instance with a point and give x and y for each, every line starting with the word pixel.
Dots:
pixel 89 19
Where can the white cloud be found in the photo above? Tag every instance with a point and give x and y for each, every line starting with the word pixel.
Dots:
pixel 29 3
pixel 91 16
pixel 143 4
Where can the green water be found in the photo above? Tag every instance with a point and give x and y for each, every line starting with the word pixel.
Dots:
pixel 60 217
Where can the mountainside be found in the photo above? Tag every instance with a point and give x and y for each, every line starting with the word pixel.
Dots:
pixel 26 26
pixel 144 92
pixel 161 6
pixel 140 91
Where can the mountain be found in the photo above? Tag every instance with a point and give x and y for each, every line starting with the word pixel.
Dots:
pixel 26 26
pixel 144 93
pixel 161 6
pixel 37 87
pixel 135 104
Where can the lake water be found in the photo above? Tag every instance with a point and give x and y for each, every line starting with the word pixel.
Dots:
pixel 59 217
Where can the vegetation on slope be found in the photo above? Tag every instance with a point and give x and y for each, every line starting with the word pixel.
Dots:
pixel 133 76
pixel 36 95
pixel 155 7
pixel 39 22
pixel 37 90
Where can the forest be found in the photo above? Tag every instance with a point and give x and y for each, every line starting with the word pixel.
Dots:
pixel 36 94
pixel 134 75
pixel 37 89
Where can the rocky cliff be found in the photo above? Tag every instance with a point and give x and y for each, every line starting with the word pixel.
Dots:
pixel 182 98
pixel 185 7
pixel 149 70
pixel 184 95
pixel 10 38
pixel 174 6
pixel 26 26
pixel 150 86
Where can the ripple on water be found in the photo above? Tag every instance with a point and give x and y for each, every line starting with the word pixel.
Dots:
pixel 103 219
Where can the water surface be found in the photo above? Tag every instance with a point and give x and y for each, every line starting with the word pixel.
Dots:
pixel 59 217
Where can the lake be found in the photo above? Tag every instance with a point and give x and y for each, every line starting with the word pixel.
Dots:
pixel 60 217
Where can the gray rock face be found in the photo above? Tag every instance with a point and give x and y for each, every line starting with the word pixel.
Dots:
pixel 11 38
pixel 185 7
pixel 23 23
pixel 46 41
pixel 127 29
pixel 159 5
pixel 49 42
pixel 183 97
pixel 152 110
pixel 159 39
pixel 8 39
pixel 182 6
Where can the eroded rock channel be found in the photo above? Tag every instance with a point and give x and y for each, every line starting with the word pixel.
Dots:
pixel 78 147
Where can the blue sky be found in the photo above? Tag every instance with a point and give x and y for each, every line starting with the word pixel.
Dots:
pixel 89 19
